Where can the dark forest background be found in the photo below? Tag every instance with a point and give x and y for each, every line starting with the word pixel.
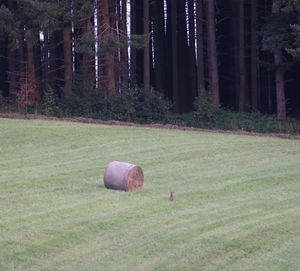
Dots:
pixel 70 55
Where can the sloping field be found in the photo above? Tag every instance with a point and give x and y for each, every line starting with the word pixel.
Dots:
pixel 236 207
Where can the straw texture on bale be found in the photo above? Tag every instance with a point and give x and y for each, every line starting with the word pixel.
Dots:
pixel 123 176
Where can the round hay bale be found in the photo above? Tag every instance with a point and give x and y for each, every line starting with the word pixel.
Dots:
pixel 123 176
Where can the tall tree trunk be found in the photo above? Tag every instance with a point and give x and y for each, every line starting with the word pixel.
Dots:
pixel 136 56
pixel 279 73
pixel 169 53
pixel 254 56
pixel 192 55
pixel 147 46
pixel 159 45
pixel 133 30
pixel 51 69
pixel 109 61
pixel 235 83
pixel 115 8
pixel 212 53
pixel 183 59
pixel 59 58
pixel 200 45
pixel 12 62
pixel 4 76
pixel 173 14
pixel 124 51
pixel 68 62
pixel 12 73
pixel 32 95
pixel 242 59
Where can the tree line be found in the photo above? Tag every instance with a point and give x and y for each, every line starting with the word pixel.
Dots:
pixel 244 54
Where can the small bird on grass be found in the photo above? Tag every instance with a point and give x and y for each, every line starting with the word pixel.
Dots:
pixel 172 196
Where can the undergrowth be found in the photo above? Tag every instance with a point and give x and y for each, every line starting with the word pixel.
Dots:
pixel 148 106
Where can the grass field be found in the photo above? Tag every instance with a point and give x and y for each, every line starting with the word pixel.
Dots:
pixel 237 200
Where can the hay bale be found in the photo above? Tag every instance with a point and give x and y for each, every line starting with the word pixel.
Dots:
pixel 123 176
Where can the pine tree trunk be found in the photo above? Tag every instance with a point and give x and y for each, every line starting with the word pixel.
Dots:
pixel 192 55
pixel 147 46
pixel 212 53
pixel 68 67
pixel 254 56
pixel 137 56
pixel 279 74
pixel 51 60
pixel 242 59
pixel 200 45
pixel 32 84
pixel 12 62
pixel 58 38
pixel 12 74
pixel 235 55
pixel 124 51
pixel 159 45
pixel 109 61
pixel 133 30
pixel 175 94
pixel 4 87
pixel 183 57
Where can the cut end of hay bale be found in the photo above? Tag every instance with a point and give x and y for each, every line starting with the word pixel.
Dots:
pixel 123 176
pixel 135 180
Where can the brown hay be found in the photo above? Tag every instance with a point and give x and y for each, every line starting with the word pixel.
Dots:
pixel 123 176
pixel 135 179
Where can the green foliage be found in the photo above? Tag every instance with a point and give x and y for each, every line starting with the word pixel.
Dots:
pixel 276 32
pixel 8 24
pixel 135 105
pixel 83 9
pixel 50 103
pixel 39 14
pixel 282 30
pixel 206 116
pixel 204 112
pixel 139 41
pixel 293 7
pixel 295 51
pixel 3 102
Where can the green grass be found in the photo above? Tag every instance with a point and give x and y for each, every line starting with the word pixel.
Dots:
pixel 237 200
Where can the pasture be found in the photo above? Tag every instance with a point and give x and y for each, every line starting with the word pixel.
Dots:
pixel 236 206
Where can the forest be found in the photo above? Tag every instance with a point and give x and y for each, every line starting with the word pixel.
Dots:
pixel 243 55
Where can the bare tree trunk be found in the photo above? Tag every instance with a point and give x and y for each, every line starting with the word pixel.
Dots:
pixel 147 47
pixel 279 74
pixel 212 53
pixel 32 95
pixel 254 56
pixel 124 51
pixel 242 60
pixel 109 61
pixel 12 65
pixel 68 71
pixel 159 45
pixel 183 59
pixel 175 94
pixel 133 30
pixel 200 45
pixel 192 54
pixel 234 95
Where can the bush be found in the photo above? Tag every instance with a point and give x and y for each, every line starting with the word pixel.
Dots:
pixel 4 102
pixel 135 105
pixel 50 103
pixel 206 116
pixel 204 111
